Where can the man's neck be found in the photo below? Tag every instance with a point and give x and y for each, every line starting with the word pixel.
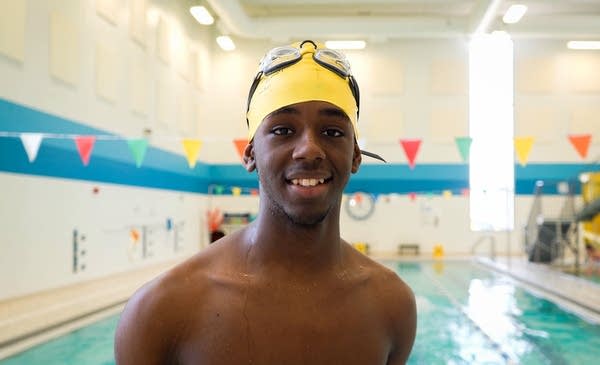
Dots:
pixel 273 242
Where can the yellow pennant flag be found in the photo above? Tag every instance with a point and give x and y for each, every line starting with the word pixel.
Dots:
pixel 191 148
pixel 523 147
pixel 236 191
pixel 447 194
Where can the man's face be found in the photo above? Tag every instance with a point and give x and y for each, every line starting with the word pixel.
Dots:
pixel 304 154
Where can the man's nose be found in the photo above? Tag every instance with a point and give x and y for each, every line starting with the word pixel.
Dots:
pixel 308 146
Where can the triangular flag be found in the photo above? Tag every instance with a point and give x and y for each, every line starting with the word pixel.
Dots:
pixel 236 191
pixel 412 196
pixel 218 189
pixel 138 147
pixel 464 147
pixel 191 148
pixel 523 147
pixel 31 143
pixel 85 144
pixel 240 146
pixel 464 192
pixel 447 194
pixel 581 142
pixel 411 147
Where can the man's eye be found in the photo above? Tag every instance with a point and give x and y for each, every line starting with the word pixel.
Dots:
pixel 333 132
pixel 282 131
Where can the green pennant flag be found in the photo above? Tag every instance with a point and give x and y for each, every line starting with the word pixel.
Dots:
pixel 464 147
pixel 138 147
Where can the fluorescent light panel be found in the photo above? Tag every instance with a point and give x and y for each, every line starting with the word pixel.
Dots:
pixel 583 44
pixel 225 43
pixel 514 13
pixel 345 44
pixel 201 15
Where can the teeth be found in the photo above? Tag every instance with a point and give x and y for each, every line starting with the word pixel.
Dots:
pixel 307 182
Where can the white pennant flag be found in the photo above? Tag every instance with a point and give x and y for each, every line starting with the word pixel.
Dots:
pixel 31 142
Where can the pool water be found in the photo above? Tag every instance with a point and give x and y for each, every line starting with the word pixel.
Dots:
pixel 467 315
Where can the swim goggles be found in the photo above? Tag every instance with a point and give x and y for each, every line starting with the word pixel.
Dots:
pixel 281 57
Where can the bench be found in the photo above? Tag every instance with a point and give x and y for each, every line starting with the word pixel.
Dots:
pixel 408 247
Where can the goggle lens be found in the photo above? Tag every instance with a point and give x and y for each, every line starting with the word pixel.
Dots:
pixel 278 58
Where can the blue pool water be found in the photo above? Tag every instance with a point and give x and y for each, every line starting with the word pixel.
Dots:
pixel 467 315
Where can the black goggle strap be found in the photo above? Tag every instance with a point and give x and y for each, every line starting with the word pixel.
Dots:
pixel 373 155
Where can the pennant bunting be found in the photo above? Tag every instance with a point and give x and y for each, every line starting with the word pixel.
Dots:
pixel 219 189
pixel 138 147
pixel 581 142
pixel 464 147
pixel 31 143
pixel 191 148
pixel 85 145
pixel 464 192
pixel 411 147
pixel 240 146
pixel 254 192
pixel 412 196
pixel 523 147
pixel 447 194
pixel 236 191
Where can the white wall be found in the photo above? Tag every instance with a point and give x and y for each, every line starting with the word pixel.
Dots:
pixel 100 63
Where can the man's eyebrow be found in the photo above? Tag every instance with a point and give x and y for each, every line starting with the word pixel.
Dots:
pixel 284 110
pixel 333 112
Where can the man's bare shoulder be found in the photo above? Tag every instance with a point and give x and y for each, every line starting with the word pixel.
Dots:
pixel 158 312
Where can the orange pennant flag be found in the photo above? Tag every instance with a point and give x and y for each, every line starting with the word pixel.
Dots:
pixel 411 147
pixel 85 144
pixel 191 148
pixel 523 147
pixel 581 142
pixel 240 146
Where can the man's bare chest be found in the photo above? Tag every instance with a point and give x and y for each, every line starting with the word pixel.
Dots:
pixel 299 326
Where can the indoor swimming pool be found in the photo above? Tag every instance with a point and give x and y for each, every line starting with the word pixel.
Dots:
pixel 467 315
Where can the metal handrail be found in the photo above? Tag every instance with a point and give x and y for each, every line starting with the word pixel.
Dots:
pixel 482 239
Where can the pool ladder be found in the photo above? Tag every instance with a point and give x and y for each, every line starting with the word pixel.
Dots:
pixel 482 239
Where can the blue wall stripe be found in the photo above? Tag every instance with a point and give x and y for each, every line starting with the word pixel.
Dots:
pixel 111 162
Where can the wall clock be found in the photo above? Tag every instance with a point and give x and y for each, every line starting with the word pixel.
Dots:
pixel 360 205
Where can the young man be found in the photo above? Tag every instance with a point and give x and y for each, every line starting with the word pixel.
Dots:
pixel 287 289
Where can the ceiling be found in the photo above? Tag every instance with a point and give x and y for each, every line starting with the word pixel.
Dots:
pixel 381 20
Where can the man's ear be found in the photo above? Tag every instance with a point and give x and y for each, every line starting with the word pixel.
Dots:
pixel 356 158
pixel 248 158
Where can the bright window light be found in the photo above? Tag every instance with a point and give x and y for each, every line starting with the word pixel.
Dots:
pixel 583 44
pixel 225 43
pixel 491 168
pixel 514 13
pixel 345 44
pixel 201 15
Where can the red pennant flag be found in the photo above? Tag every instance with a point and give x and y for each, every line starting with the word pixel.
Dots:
pixel 581 142
pixel 411 147
pixel 85 144
pixel 464 192
pixel 412 196
pixel 240 146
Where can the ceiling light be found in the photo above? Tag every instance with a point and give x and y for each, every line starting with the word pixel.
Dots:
pixel 345 44
pixel 225 43
pixel 514 13
pixel 583 44
pixel 201 15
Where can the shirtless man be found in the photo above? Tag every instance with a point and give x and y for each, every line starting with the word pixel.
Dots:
pixel 286 289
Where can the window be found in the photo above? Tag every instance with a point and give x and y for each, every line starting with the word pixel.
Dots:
pixel 491 124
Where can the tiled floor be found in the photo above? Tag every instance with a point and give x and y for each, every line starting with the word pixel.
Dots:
pixel 38 314
pixel 574 293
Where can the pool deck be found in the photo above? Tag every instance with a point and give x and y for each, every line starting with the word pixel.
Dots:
pixel 573 293
pixel 32 319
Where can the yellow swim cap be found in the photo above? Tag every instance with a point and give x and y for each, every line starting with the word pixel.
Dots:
pixel 305 80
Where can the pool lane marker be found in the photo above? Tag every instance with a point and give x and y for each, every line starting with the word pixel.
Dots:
pixel 506 355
